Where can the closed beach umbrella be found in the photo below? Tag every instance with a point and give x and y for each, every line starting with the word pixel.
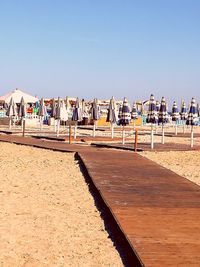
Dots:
pixel 192 119
pixel 125 117
pixel 111 116
pixel 77 115
pixel 11 111
pixel 152 115
pixel 22 114
pixel 95 113
pixel 53 108
pixel 134 112
pixel 175 115
pixel 175 112
pixel 42 111
pixel 157 106
pixel 22 108
pixel 77 112
pixel 183 112
pixel 58 115
pixel 163 114
pixel 163 117
pixel 192 114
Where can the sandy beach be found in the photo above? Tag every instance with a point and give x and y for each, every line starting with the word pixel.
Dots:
pixel 48 217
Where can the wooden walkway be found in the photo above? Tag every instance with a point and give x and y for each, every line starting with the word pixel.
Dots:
pixel 157 210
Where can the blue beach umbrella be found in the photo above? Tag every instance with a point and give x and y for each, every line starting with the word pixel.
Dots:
pixel 192 114
pixel 183 112
pixel 134 112
pixel 152 115
pixel 163 114
pixel 175 112
pixel 124 113
pixel 163 117
pixel 124 117
pixel 157 106
pixel 192 119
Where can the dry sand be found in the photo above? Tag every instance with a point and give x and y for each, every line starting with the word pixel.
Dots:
pixel 184 163
pixel 47 215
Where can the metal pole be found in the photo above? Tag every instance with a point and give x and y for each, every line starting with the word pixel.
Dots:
pixel 70 134
pixel 152 136
pixel 192 137
pixel 23 127
pixel 136 140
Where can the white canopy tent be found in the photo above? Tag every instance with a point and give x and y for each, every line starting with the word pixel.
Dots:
pixel 17 94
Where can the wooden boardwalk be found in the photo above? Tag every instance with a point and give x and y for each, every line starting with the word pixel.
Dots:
pixel 157 210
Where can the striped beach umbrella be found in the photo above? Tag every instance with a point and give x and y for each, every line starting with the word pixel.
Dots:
pixel 163 114
pixel 134 112
pixel 124 117
pixel 157 106
pixel 125 113
pixel 152 115
pixel 175 112
pixel 163 117
pixel 192 119
pixel 183 112
pixel 192 114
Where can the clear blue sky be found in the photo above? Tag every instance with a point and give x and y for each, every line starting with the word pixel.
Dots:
pixel 100 48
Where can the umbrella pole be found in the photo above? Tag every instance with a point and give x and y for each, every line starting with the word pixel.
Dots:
pixel 75 131
pixel 41 121
pixel 163 134
pixel 58 127
pixel 10 123
pixel 192 137
pixel 94 127
pixel 123 136
pixel 112 130
pixel 55 126
pixel 152 136
pixel 176 130
pixel 184 127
